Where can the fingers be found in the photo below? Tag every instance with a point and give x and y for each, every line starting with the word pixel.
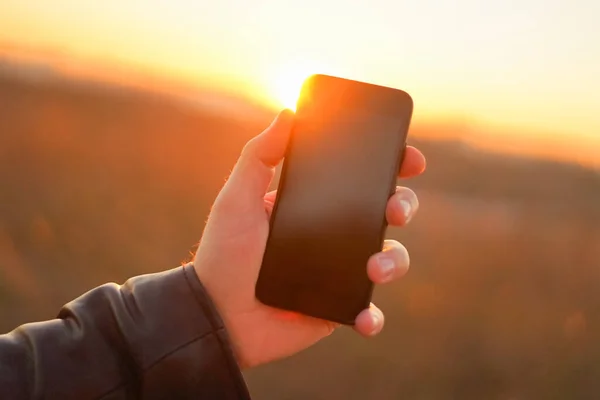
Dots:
pixel 389 264
pixel 385 266
pixel 369 322
pixel 270 202
pixel 414 163
pixel 254 170
pixel 270 196
pixel 401 207
pixel 393 261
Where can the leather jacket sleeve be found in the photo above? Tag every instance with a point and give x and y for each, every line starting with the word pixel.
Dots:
pixel 158 336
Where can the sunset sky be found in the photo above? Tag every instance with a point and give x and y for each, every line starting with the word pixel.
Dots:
pixel 527 65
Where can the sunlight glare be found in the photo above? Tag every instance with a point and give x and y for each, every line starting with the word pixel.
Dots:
pixel 289 80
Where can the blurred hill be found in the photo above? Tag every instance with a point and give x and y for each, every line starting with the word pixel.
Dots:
pixel 103 182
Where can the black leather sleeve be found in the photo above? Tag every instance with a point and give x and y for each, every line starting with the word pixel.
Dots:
pixel 158 336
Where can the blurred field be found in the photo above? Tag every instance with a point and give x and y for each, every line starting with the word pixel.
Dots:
pixel 502 302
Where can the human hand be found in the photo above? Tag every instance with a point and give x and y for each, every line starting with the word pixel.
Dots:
pixel 230 253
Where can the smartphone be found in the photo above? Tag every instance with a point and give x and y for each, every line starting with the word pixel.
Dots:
pixel 339 171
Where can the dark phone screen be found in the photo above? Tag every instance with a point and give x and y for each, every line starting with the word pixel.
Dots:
pixel 340 168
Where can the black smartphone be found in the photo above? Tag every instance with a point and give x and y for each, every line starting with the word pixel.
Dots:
pixel 339 171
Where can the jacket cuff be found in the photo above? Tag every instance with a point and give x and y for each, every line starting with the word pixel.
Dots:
pixel 218 327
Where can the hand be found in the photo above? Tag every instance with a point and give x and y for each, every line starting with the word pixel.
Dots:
pixel 230 253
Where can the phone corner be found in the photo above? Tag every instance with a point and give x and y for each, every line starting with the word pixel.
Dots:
pixel 407 99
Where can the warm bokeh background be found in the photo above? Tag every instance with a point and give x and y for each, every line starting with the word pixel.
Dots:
pixel 119 121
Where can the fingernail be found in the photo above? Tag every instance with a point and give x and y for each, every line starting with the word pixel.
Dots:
pixel 376 321
pixel 406 209
pixel 387 266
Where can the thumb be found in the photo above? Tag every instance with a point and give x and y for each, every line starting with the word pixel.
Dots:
pixel 255 168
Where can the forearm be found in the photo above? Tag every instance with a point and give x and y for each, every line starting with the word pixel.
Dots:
pixel 156 336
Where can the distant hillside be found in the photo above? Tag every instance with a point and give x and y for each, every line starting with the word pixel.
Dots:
pixel 55 69
pixel 103 182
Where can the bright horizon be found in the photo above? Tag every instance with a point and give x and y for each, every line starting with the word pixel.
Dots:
pixel 529 66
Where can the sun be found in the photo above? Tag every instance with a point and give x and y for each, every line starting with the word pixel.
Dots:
pixel 287 87
pixel 289 79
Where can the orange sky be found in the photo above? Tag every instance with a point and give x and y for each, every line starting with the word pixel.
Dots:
pixel 507 68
